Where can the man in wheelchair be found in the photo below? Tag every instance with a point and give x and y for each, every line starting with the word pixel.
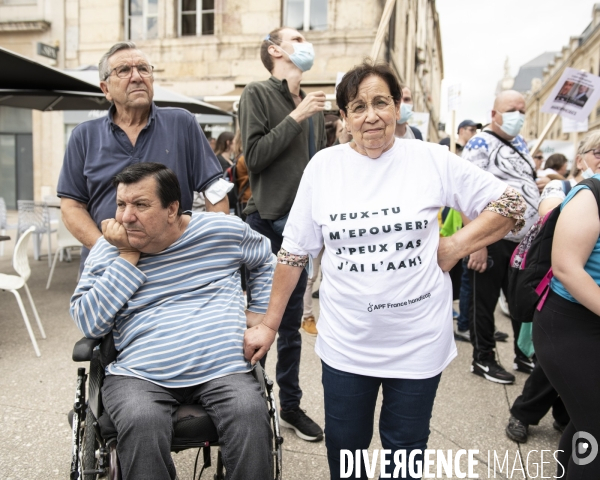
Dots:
pixel 168 287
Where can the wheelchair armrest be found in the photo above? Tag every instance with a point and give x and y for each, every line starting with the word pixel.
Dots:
pixel 82 351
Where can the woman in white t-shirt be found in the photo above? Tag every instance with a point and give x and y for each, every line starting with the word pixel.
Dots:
pixel 386 299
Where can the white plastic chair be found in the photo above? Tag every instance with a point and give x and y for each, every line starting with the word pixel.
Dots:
pixel 65 240
pixel 13 283
pixel 37 215
pixel 4 225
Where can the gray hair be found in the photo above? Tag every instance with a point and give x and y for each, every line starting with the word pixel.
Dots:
pixel 103 68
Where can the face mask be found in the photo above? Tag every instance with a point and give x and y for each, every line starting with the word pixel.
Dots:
pixel 406 111
pixel 588 172
pixel 512 122
pixel 303 56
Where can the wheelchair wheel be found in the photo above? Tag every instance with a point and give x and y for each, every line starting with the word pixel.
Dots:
pixel 89 446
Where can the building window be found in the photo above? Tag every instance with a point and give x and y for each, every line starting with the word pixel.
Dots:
pixel 197 17
pixel 142 19
pixel 305 15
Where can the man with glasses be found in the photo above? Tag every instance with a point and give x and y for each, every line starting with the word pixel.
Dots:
pixel 134 131
pixel 282 128
pixel 501 151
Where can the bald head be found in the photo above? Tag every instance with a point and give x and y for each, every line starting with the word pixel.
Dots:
pixel 507 107
pixel 508 97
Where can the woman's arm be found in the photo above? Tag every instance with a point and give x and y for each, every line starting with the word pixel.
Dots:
pixel 548 204
pixel 487 228
pixel 258 339
pixel 498 218
pixel 576 234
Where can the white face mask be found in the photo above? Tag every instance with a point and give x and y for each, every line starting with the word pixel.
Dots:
pixel 588 172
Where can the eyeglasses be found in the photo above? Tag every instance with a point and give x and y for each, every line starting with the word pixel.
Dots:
pixel 595 151
pixel 379 104
pixel 125 71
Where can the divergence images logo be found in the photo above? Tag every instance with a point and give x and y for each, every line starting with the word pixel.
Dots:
pixel 586 448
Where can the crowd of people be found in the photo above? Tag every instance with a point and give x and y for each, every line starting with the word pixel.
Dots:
pixel 395 227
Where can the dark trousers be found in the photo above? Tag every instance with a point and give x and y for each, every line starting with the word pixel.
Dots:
pixel 566 336
pixel 143 415
pixel 289 341
pixel 350 401
pixel 465 298
pixel 538 397
pixel 486 291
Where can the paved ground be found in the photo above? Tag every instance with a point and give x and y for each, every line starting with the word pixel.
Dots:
pixel 36 394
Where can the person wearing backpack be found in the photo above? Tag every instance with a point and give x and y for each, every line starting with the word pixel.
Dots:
pixel 566 330
pixel 538 395
pixel 501 151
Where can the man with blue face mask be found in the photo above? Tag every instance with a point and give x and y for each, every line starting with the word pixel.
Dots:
pixel 403 129
pixel 503 152
pixel 282 128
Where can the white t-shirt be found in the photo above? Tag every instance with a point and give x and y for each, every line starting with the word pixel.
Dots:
pixel 494 156
pixel 556 189
pixel 386 306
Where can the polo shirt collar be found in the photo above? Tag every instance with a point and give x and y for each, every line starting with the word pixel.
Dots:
pixel 112 109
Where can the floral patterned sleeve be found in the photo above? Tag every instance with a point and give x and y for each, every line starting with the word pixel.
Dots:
pixel 286 258
pixel 510 204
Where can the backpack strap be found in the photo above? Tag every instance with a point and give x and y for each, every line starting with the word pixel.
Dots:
pixel 566 186
pixel 509 144
pixel 594 185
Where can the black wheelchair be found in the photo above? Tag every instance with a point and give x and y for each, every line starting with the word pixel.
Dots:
pixel 94 454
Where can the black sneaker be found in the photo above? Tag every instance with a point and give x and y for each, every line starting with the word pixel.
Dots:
pixel 304 427
pixel 500 336
pixel 516 430
pixel 490 370
pixel 523 364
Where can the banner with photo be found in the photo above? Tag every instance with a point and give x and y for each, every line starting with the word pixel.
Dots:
pixel 574 95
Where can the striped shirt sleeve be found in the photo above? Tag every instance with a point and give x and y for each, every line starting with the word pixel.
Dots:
pixel 106 285
pixel 260 261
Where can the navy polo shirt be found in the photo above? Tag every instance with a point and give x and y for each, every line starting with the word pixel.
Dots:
pixel 99 149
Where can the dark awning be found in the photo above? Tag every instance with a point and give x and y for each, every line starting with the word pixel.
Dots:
pixel 25 83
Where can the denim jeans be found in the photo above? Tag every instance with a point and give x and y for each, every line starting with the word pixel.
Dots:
pixel 289 340
pixel 142 414
pixel 350 408
pixel 464 302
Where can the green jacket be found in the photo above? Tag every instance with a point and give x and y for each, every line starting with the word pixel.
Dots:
pixel 275 146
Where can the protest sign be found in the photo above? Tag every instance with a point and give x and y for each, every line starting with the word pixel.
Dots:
pixel 574 95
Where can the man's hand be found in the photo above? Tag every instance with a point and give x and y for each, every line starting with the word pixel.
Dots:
pixel 257 341
pixel 478 260
pixel 253 318
pixel 116 235
pixel 313 103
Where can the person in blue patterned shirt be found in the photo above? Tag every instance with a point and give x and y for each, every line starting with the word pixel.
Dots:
pixel 168 286
pixel 501 151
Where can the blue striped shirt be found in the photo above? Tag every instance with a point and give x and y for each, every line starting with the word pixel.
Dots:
pixel 178 316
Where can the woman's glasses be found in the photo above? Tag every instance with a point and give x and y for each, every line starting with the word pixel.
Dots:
pixel 379 104
pixel 596 152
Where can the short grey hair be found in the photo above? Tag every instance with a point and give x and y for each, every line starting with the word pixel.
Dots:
pixel 103 68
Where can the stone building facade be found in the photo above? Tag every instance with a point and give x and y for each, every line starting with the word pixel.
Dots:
pixel 583 53
pixel 209 49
